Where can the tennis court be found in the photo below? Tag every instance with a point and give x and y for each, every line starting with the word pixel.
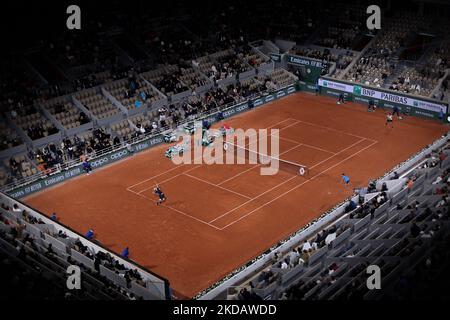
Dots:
pixel 239 188
pixel 218 217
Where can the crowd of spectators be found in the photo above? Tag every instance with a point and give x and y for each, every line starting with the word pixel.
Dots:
pixel 341 58
pixel 8 137
pixel 170 83
pixel 70 149
pixel 32 255
pixel 370 70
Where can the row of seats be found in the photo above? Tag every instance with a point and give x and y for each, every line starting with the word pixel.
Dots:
pixel 96 103
pixel 192 78
pixel 154 120
pixel 167 80
pixel 123 129
pixel 8 137
pixel 24 234
pixel 18 167
pixel 281 78
pixel 391 228
pixel 35 124
pixel 371 70
pixel 412 81
pixel 122 93
pixel 65 112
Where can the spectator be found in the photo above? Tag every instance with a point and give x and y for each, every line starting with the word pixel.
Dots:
pixel 90 234
pixel 415 230
pixel 306 246
pixel 125 253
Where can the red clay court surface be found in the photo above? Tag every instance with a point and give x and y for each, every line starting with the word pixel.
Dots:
pixel 219 217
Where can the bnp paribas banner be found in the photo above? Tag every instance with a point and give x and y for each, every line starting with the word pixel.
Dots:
pixel 359 93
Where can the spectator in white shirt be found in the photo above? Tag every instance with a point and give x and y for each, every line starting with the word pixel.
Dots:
pixel 438 180
pixel 306 246
pixel 442 202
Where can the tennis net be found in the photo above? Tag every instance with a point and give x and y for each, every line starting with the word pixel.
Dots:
pixel 252 157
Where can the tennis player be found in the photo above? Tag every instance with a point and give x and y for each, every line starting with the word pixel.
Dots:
pixel 389 120
pixel 396 111
pixel 346 179
pixel 157 190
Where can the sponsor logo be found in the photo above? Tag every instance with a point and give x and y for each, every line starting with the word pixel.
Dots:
pixel 368 92
pixel 241 108
pixel 99 162
pixel 141 146
pixel 17 194
pixel 257 102
pixel 280 94
pixel 394 98
pixel 119 155
pixel 305 62
pixel 275 57
pixel 269 98
pixel 53 180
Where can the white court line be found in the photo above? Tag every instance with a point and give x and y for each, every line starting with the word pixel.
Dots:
pixel 332 129
pixel 307 145
pixel 215 185
pixel 196 166
pixel 319 163
pixel 168 179
pixel 296 122
pixel 234 209
pixel 258 196
pixel 169 170
pixel 176 210
pixel 256 165
pixel 298 186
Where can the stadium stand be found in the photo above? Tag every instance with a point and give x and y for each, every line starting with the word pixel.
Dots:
pixel 342 58
pixel 224 64
pixel 19 167
pixel 279 78
pixel 31 121
pixel 124 130
pixel 345 32
pixel 8 137
pixel 131 90
pixel 29 243
pixel 167 80
pixel 66 113
pixel 97 104
pixel 392 227
pixel 152 60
